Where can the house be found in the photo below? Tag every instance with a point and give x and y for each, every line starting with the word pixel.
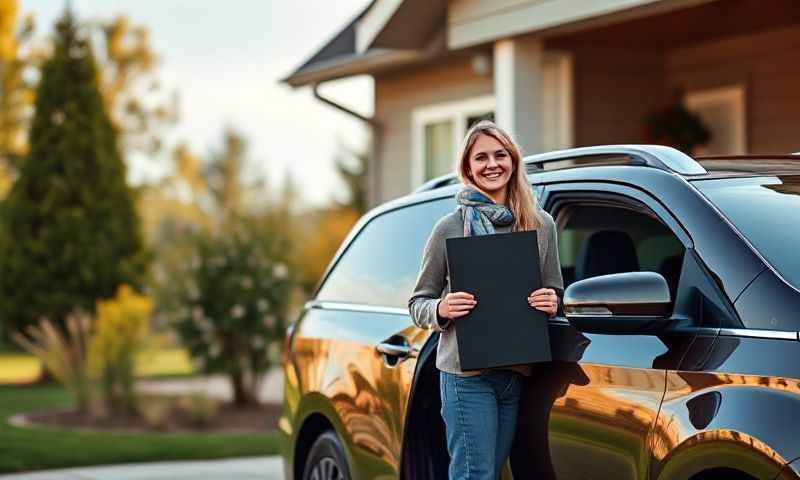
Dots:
pixel 563 73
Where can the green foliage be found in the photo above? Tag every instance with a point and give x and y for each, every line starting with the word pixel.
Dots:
pixel 224 176
pixel 235 296
pixel 76 234
pixel 351 165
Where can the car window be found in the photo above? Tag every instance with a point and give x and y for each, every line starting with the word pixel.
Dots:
pixel 381 264
pixel 599 239
pixel 765 210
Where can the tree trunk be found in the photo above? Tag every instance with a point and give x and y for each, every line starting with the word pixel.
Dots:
pixel 45 377
pixel 242 394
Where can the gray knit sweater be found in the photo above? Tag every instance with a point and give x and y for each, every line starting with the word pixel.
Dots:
pixel 433 283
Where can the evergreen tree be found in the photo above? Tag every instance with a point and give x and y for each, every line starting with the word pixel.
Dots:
pixel 73 235
pixel 351 165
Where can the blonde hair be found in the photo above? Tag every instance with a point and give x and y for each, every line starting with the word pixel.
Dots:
pixel 520 198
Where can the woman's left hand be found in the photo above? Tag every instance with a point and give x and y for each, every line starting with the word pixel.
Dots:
pixel 544 299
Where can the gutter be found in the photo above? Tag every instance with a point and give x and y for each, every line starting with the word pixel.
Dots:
pixel 374 127
pixel 371 122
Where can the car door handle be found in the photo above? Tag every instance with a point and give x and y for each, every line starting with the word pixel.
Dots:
pixel 400 351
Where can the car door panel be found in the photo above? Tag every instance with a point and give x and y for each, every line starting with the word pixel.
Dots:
pixel 714 412
pixel 598 407
pixel 356 345
pixel 590 413
pixel 336 353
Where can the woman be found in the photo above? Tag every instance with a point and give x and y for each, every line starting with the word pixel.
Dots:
pixel 479 408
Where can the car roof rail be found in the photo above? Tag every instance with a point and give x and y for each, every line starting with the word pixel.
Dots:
pixel 657 156
pixel 437 182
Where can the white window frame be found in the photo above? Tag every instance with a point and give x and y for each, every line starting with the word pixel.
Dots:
pixel 457 112
pixel 732 95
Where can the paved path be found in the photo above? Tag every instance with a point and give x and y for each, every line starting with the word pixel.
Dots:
pixel 254 468
pixel 216 386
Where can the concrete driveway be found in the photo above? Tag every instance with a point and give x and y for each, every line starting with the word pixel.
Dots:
pixel 254 468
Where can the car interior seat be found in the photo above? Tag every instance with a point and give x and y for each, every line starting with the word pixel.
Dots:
pixel 670 269
pixel 606 252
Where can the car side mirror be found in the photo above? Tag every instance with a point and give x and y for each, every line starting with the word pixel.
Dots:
pixel 623 303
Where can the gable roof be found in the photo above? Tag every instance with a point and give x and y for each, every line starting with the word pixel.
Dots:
pixel 385 34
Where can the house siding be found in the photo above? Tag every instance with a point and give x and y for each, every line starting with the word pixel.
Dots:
pixel 766 63
pixel 398 94
pixel 614 91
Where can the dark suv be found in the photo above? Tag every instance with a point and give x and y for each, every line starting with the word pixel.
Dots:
pixel 678 358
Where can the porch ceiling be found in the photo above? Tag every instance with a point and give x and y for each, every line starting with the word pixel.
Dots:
pixel 687 26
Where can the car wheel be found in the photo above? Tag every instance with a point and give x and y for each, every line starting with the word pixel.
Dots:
pixel 326 460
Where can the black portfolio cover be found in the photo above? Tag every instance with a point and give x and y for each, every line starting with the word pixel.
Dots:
pixel 500 270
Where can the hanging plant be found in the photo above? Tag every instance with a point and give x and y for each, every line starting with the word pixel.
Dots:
pixel 677 127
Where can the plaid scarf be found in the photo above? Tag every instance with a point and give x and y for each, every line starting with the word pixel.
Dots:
pixel 480 213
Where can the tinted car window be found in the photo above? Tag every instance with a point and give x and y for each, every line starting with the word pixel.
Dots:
pixel 600 240
pixel 381 264
pixel 766 210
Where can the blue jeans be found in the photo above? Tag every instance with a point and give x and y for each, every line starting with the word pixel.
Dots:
pixel 480 417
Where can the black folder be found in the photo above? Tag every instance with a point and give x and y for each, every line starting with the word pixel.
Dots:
pixel 500 270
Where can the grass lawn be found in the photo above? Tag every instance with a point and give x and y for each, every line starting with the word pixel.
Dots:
pixel 17 368
pixel 23 449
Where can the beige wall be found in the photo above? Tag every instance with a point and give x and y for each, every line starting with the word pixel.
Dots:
pixel 768 65
pixel 397 95
pixel 615 89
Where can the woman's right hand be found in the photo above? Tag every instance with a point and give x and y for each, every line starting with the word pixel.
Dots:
pixel 456 304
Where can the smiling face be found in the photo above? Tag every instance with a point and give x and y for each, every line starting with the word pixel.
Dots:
pixel 490 167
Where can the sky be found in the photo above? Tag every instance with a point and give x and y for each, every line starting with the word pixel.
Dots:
pixel 226 59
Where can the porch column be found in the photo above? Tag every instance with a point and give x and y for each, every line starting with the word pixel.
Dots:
pixel 518 78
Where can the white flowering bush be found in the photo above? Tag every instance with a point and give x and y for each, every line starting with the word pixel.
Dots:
pixel 234 301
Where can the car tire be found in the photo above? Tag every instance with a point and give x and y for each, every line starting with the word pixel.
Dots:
pixel 326 460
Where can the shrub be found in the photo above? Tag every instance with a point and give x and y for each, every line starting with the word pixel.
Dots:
pixel 63 354
pixel 156 411
pixel 200 408
pixel 120 333
pixel 235 296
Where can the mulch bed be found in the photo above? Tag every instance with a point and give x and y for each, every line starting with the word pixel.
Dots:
pixel 228 419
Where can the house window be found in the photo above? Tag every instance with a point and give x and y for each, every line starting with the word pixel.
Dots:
pixel 723 112
pixel 439 148
pixel 437 131
pixel 473 119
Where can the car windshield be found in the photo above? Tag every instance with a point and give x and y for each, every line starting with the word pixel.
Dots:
pixel 766 210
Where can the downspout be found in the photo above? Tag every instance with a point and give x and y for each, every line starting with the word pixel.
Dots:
pixel 373 167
